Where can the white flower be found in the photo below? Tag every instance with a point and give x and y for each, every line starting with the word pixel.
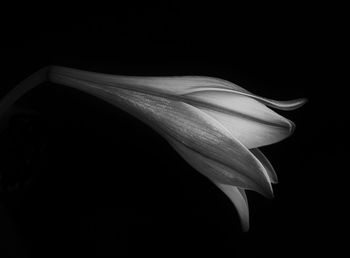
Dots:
pixel 215 125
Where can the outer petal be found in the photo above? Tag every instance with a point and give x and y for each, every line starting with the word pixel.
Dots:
pixel 248 120
pixel 173 85
pixel 233 88
pixel 239 200
pixel 283 105
pixel 240 111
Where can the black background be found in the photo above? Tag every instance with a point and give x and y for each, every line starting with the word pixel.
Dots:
pixel 95 181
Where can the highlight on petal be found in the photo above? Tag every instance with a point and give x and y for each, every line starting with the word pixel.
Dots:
pixel 239 200
pixel 267 165
pixel 248 120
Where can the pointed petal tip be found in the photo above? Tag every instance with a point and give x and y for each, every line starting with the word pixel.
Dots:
pixel 267 192
pixel 297 103
pixel 239 200
pixel 275 181
pixel 245 227
pixel 304 100
pixel 272 175
pixel 291 104
pixel 264 187
pixel 286 105
pixel 292 127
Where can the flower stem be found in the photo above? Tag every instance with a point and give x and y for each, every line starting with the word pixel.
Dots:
pixel 23 87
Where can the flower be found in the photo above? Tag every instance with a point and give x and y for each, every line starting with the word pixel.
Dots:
pixel 214 125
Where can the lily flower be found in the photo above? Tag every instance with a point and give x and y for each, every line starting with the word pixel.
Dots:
pixel 214 125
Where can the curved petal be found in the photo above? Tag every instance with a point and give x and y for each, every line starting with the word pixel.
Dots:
pixel 266 163
pixel 278 104
pixel 248 120
pixel 239 200
pixel 173 85
pixel 283 105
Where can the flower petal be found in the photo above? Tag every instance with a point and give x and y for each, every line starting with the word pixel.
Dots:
pixel 283 105
pixel 278 104
pixel 248 120
pixel 239 200
pixel 187 124
pixel 173 85
pixel 267 165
